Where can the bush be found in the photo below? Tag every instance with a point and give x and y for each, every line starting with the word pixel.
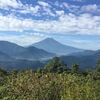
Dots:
pixel 29 85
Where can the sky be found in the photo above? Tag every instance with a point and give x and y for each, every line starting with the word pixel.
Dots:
pixel 71 22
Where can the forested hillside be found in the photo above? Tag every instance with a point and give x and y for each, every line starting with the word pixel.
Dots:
pixel 54 82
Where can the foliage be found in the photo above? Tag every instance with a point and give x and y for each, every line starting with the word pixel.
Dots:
pixel 51 85
pixel 2 72
pixel 75 68
pixel 55 65
pixel 98 66
pixel 28 85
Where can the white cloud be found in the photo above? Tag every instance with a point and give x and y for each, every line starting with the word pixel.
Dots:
pixel 66 5
pixel 23 39
pixel 30 9
pixel 67 24
pixel 70 7
pixel 45 4
pixel 77 9
pixel 47 11
pixel 17 6
pixel 60 13
pixel 46 8
pixel 90 8
pixel 11 3
pixel 79 0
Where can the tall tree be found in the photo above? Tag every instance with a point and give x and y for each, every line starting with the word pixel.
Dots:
pixel 55 65
pixel 75 68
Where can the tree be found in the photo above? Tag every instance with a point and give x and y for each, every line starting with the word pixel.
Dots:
pixel 75 68
pixel 55 65
pixel 98 66
pixel 2 72
pixel 96 72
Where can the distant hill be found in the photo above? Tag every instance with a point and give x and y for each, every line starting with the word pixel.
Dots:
pixel 97 52
pixel 20 65
pixel 19 52
pixel 13 56
pixel 86 59
pixel 32 53
pixel 83 53
pixel 5 57
pixel 10 49
pixel 53 46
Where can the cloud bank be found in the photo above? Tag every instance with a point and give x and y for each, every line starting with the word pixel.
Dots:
pixel 46 17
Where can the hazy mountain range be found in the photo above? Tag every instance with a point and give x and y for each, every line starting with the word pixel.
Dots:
pixel 13 56
pixel 18 52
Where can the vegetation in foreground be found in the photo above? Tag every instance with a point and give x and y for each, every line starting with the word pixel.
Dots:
pixel 54 82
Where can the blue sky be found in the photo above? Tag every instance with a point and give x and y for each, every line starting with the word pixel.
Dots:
pixel 71 22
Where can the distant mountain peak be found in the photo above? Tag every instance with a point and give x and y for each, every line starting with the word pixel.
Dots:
pixel 50 40
pixel 53 46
